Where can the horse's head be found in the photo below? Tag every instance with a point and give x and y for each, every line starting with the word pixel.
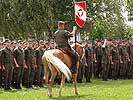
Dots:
pixel 79 49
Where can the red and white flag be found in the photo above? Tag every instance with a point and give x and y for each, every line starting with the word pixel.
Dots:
pixel 80 13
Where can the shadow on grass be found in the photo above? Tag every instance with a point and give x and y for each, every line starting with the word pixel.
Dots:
pixel 74 97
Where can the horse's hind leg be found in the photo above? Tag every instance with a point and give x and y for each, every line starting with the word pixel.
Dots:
pixel 51 81
pixel 46 75
pixel 75 83
pixel 46 70
pixel 62 83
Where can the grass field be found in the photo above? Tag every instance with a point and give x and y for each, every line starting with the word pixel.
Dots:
pixel 97 90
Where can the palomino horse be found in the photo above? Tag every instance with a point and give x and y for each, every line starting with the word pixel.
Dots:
pixel 55 61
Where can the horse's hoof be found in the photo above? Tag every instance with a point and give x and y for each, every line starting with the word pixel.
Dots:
pixel 50 95
pixel 76 93
pixel 60 95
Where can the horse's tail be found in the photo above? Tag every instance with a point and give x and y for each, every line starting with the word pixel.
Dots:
pixel 58 64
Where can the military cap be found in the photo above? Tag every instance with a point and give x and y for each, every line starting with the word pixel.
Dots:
pixel 7 40
pixel 13 42
pixel 30 40
pixel 89 42
pixel 61 22
pixel 109 39
pixel 19 41
pixel 41 42
pixel 98 40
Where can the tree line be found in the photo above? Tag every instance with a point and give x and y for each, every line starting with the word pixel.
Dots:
pixel 20 19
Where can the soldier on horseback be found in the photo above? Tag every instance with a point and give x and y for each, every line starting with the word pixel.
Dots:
pixel 61 37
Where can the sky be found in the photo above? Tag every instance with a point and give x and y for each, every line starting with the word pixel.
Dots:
pixel 125 15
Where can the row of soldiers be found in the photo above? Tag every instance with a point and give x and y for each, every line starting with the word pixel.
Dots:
pixel 21 63
pixel 110 60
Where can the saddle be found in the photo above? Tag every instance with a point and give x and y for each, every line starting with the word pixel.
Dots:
pixel 65 51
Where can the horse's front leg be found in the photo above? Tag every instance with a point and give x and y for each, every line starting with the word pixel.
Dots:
pixel 75 83
pixel 61 85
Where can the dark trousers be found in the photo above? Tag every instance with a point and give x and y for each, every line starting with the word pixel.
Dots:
pixel 26 78
pixel 32 76
pixel 80 73
pixel 132 70
pixel 17 75
pixel 123 70
pixel 74 56
pixel 129 70
pixel 105 70
pixel 98 67
pixel 88 72
pixel 42 75
pixel 7 75
pixel 115 69
pixel 37 79
pixel 0 77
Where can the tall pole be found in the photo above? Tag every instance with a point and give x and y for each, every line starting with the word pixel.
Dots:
pixel 75 32
pixel 75 37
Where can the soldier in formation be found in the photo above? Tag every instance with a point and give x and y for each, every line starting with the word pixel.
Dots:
pixel 113 60
pixel 21 64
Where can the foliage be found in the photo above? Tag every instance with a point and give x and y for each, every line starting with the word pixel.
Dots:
pixel 37 19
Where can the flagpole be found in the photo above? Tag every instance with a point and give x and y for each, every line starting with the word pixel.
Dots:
pixel 73 1
pixel 75 37
pixel 75 32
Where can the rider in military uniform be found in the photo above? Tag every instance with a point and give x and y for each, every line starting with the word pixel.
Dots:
pixel 61 37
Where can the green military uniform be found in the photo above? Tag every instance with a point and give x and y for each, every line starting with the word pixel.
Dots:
pixel 38 56
pixel 80 71
pixel 130 63
pixel 105 63
pixel 0 69
pixel 98 67
pixel 115 60
pixel 28 75
pixel 131 58
pixel 61 38
pixel 6 61
pixel 123 66
pixel 89 60
pixel 18 71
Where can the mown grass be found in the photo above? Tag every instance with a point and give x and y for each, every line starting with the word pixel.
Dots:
pixel 97 90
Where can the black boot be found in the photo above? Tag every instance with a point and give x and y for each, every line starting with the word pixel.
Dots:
pixel 74 67
pixel 18 86
pixel 7 88
pixel 88 81
pixel 40 84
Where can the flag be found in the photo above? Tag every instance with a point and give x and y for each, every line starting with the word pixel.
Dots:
pixel 80 13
